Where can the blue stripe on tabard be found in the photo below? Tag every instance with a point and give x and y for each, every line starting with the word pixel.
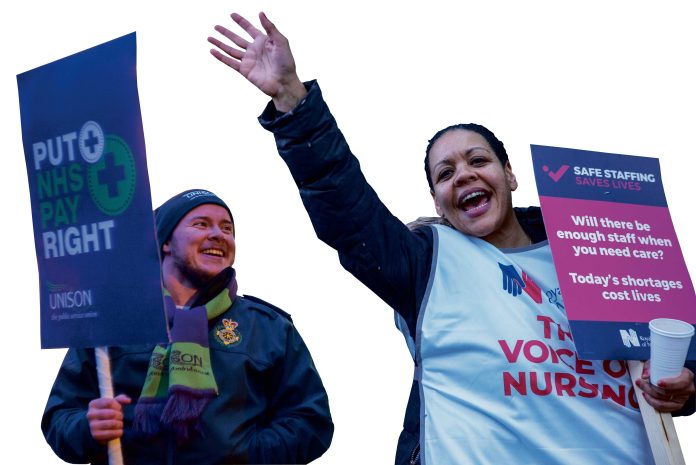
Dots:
pixel 419 325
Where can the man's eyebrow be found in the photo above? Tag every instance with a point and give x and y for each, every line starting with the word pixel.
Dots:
pixel 207 218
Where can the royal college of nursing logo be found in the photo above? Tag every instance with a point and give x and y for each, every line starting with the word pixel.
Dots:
pixel 227 333
pixel 631 339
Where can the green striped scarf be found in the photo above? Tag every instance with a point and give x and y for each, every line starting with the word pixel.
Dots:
pixel 180 381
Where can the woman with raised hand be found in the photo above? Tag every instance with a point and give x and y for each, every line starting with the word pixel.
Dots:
pixel 497 378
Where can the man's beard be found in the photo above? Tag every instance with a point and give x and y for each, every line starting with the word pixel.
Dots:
pixel 198 278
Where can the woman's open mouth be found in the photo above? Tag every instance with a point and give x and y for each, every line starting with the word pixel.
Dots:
pixel 474 203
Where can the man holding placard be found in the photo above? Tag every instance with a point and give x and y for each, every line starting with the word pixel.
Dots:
pixel 236 383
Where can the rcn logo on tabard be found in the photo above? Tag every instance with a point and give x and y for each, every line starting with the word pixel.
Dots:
pixel 558 174
pixel 514 284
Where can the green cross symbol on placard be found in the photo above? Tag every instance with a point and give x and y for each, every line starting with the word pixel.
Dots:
pixel 111 180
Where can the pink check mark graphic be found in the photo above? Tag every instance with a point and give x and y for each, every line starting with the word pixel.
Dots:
pixel 556 175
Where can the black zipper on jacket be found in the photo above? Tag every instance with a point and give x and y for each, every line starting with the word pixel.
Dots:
pixel 415 455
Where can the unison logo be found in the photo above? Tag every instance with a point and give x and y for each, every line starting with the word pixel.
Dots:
pixel 70 299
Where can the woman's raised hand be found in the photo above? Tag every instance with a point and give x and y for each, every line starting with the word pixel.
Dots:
pixel 266 61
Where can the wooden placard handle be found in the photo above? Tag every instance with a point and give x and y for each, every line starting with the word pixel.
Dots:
pixel 662 434
pixel 106 389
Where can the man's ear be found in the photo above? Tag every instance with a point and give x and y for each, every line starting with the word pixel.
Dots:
pixel 165 248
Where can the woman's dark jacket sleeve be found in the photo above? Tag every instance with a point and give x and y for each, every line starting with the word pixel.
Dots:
pixel 346 213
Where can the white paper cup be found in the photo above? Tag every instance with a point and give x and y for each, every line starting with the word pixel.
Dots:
pixel 669 343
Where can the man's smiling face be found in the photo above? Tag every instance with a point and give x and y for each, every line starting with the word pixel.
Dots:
pixel 201 245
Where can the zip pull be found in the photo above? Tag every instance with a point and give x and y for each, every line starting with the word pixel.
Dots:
pixel 415 455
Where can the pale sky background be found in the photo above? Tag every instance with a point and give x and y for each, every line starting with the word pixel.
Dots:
pixel 607 76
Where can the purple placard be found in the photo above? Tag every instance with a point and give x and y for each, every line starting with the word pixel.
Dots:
pixel 94 231
pixel 616 253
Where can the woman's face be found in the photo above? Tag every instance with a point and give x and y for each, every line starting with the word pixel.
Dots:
pixel 471 188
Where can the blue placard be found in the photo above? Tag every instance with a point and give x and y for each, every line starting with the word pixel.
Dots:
pixel 84 148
